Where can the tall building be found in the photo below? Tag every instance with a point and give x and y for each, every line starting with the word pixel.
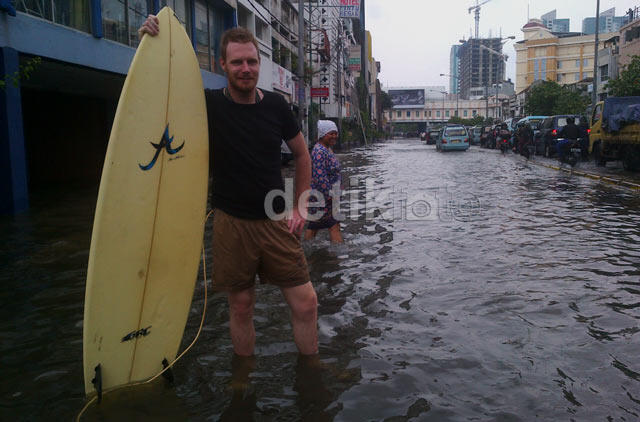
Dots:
pixel 454 69
pixel 608 22
pixel 554 24
pixel 482 64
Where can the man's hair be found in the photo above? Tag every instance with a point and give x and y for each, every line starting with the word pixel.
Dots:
pixel 237 35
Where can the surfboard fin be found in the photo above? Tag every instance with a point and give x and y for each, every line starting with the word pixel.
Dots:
pixel 168 375
pixel 97 382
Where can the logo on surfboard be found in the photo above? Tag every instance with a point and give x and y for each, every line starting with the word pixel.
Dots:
pixel 165 143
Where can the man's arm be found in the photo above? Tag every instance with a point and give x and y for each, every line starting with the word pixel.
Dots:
pixel 302 162
pixel 150 26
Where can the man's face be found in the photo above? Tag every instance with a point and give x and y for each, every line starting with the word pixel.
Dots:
pixel 242 66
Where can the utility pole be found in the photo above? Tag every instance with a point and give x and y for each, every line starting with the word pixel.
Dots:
pixel 339 78
pixel 594 95
pixel 301 84
pixel 363 60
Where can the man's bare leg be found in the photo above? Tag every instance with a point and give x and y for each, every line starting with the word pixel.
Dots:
pixel 304 317
pixel 243 332
pixel 310 234
pixel 334 233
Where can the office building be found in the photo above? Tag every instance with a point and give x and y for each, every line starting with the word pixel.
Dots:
pixel 608 22
pixel 553 24
pixel 454 69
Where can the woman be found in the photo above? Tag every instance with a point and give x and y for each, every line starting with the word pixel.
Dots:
pixel 325 173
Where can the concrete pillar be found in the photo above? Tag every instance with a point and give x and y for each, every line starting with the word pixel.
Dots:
pixel 14 193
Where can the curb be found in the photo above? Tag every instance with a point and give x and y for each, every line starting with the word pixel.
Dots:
pixel 599 177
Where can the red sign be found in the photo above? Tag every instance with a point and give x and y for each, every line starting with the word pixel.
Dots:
pixel 320 92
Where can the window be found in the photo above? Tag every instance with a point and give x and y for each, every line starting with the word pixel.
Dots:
pixel 535 70
pixel 604 73
pixel 475 113
pixel 180 10
pixel 559 64
pixel 559 77
pixel 216 27
pixel 465 113
pixel 429 113
pixel 202 35
pixel 438 113
pixel 577 63
pixel 446 113
pixel 262 30
pixel 597 114
pixel 586 62
pixel 408 114
pixel 398 114
pixel 73 13
pixel 577 77
pixel 543 69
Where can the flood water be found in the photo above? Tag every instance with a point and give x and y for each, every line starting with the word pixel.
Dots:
pixel 471 287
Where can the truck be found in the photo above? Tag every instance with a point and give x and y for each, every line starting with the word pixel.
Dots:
pixel 615 132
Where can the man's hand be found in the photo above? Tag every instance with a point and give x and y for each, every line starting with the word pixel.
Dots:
pixel 150 26
pixel 296 223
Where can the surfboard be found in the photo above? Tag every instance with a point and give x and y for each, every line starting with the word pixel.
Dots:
pixel 149 219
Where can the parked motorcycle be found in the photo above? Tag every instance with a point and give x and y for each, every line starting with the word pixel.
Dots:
pixel 572 152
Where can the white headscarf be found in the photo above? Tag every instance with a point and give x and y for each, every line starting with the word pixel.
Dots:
pixel 324 127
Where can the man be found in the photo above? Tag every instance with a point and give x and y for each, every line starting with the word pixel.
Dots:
pixel 246 126
pixel 570 132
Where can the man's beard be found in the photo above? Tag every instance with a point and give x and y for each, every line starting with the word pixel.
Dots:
pixel 241 87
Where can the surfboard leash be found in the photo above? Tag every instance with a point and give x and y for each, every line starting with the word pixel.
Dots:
pixel 168 366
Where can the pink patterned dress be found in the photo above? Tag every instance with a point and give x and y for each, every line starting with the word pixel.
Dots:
pixel 325 173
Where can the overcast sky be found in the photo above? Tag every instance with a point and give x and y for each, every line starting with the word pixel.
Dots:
pixel 412 38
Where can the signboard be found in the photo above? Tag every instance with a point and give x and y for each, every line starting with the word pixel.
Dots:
pixel 350 9
pixel 282 80
pixel 354 63
pixel 320 92
pixel 402 98
pixel 354 58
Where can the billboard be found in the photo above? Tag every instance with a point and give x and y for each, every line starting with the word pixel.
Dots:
pixel 402 98
pixel 350 9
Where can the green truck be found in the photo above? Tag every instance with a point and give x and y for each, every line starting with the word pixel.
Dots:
pixel 615 132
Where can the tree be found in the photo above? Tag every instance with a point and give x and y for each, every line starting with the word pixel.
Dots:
pixel 385 100
pixel 628 82
pixel 549 98
pixel 24 72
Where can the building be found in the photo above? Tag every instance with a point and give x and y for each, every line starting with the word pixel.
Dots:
pixel 454 69
pixel 481 64
pixel 554 24
pixel 70 98
pixel 607 64
pixel 630 39
pixel 85 49
pixel 607 22
pixel 565 58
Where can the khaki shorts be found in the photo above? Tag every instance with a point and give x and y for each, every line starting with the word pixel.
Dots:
pixel 243 248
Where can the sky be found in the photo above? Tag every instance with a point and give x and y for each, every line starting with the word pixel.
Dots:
pixel 412 39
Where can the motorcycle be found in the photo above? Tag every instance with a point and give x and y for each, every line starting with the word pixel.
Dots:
pixel 573 152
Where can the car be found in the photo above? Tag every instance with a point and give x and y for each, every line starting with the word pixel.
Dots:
pixel 432 136
pixel 550 128
pixel 453 138
pixel 475 133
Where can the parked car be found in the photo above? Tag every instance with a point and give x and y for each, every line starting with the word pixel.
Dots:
pixel 453 138
pixel 432 136
pixel 475 133
pixel 547 138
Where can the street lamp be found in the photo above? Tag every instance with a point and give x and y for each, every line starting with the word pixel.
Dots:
pixel 458 90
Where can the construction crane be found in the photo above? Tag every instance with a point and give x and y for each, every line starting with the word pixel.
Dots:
pixel 477 10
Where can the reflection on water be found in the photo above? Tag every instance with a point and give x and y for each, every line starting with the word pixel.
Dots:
pixel 471 286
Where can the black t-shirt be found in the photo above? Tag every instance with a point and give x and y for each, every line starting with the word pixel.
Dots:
pixel 245 141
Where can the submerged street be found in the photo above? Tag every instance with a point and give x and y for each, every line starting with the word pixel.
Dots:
pixel 471 286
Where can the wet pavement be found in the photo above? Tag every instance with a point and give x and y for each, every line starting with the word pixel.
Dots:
pixel 471 286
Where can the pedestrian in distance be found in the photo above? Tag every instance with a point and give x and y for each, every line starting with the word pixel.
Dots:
pixel 246 126
pixel 325 180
